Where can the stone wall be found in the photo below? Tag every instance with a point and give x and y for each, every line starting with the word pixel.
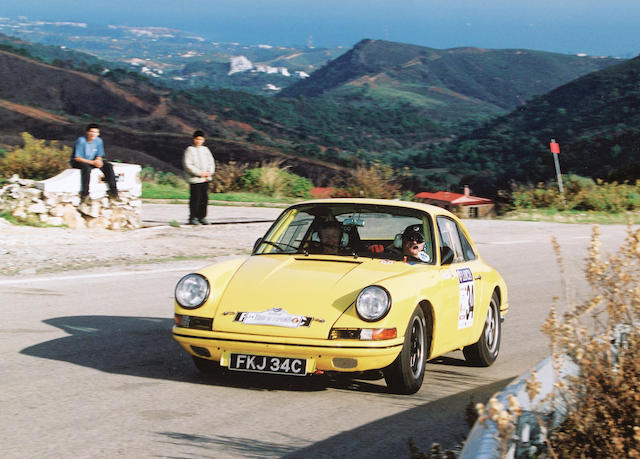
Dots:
pixel 25 199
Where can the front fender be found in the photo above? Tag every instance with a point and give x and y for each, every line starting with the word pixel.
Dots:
pixel 218 275
pixel 405 296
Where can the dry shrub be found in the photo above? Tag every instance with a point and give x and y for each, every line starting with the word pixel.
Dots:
pixel 228 177
pixel 436 452
pixel 272 179
pixel 35 160
pixel 149 175
pixel 374 181
pixel 505 419
pixel 602 337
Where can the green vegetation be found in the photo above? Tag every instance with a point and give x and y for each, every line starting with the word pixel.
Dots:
pixel 266 184
pixel 247 197
pixel 351 132
pixel 28 221
pixel 157 191
pixel 272 180
pixel 595 119
pixel 582 194
pixel 375 181
pixel 584 200
pixel 149 175
pixel 35 160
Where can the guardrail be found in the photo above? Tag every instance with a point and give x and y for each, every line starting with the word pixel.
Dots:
pixel 537 414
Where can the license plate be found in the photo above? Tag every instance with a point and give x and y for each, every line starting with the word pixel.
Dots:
pixel 268 364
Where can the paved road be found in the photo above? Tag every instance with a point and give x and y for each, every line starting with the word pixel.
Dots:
pixel 88 368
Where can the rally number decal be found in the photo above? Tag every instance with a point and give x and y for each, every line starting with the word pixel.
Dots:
pixel 467 298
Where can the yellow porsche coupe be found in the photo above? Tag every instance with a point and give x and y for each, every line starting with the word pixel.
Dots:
pixel 346 285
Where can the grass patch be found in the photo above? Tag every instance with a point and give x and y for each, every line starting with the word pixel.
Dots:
pixel 163 191
pixel 29 221
pixel 572 216
pixel 179 195
pixel 243 196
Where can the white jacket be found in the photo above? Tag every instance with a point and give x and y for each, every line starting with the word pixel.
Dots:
pixel 197 160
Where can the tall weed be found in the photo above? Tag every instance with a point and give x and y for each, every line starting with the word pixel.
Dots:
pixel 228 177
pixel 602 337
pixel 274 180
pixel 373 181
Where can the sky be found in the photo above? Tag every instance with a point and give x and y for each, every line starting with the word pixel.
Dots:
pixel 595 27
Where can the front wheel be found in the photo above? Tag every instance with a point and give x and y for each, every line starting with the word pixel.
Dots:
pixel 405 374
pixel 485 351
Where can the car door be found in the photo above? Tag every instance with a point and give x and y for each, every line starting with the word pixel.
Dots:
pixel 460 272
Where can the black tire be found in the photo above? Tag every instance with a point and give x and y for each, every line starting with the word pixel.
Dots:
pixel 206 366
pixel 485 351
pixel 405 374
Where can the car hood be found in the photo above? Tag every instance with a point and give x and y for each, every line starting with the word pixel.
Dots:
pixel 297 296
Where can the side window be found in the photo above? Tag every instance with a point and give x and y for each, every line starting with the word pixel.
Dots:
pixel 469 254
pixel 450 237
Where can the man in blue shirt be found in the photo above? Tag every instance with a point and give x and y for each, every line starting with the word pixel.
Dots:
pixel 88 153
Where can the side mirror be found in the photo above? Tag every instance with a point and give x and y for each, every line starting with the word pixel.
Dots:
pixel 257 243
pixel 446 255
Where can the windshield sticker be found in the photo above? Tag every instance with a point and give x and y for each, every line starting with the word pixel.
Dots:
pixel 467 298
pixel 275 317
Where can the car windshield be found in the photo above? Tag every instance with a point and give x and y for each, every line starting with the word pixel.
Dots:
pixel 350 230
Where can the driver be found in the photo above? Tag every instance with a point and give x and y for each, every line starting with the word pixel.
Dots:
pixel 330 236
pixel 413 244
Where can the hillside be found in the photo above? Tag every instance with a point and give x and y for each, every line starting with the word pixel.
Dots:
pixel 140 123
pixel 596 120
pixel 463 82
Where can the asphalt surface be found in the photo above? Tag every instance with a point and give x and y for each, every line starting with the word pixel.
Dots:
pixel 88 367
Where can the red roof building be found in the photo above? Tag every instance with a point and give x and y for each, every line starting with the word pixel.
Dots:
pixel 463 205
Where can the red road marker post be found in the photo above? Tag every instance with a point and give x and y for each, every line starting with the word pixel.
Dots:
pixel 555 149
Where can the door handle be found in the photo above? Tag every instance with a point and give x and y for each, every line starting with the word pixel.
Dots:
pixel 478 277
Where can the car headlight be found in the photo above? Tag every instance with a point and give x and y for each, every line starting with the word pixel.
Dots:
pixel 373 303
pixel 192 291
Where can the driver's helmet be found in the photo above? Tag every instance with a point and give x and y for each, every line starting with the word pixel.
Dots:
pixel 413 233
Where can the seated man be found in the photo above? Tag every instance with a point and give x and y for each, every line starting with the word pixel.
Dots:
pixel 413 244
pixel 88 154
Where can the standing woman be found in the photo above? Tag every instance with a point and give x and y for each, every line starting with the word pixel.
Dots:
pixel 199 165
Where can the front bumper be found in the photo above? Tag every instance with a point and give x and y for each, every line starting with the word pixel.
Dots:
pixel 321 355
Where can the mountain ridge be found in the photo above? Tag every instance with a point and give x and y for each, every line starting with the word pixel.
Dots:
pixel 595 119
pixel 476 73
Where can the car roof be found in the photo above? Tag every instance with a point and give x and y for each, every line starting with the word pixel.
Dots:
pixel 433 210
